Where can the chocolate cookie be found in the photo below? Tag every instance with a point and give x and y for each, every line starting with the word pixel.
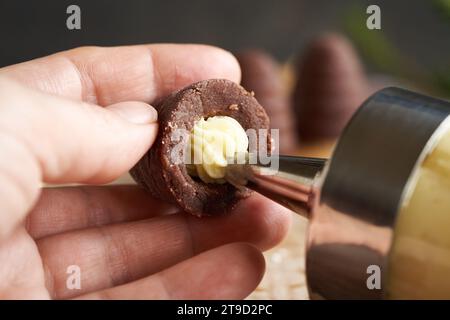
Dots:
pixel 163 172
pixel 331 85
pixel 262 74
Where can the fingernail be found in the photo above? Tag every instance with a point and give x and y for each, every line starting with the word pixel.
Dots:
pixel 135 112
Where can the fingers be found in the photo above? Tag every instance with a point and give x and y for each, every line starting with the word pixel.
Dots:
pixel 108 75
pixel 60 141
pixel 71 208
pixel 74 141
pixel 256 220
pixel 229 272
pixel 21 273
pixel 116 254
pixel 56 140
pixel 65 209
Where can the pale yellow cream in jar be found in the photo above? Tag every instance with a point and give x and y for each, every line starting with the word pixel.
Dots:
pixel 419 262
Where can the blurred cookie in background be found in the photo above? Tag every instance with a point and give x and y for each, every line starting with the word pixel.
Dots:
pixel 262 75
pixel 330 86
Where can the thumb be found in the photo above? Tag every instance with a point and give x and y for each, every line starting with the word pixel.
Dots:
pixel 44 138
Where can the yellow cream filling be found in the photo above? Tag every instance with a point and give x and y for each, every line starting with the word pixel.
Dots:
pixel 212 143
pixel 419 263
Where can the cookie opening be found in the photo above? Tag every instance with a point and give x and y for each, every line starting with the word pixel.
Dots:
pixel 212 144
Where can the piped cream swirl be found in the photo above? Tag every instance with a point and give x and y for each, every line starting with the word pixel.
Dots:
pixel 211 144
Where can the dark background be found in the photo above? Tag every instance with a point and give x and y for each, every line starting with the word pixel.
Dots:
pixel 31 29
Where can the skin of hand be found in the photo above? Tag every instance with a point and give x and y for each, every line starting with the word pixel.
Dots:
pixel 84 116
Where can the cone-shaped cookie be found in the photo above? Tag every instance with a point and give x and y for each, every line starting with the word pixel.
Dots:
pixel 163 171
pixel 330 86
pixel 261 74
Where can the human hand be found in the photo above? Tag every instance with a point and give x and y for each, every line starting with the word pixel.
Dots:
pixel 72 118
